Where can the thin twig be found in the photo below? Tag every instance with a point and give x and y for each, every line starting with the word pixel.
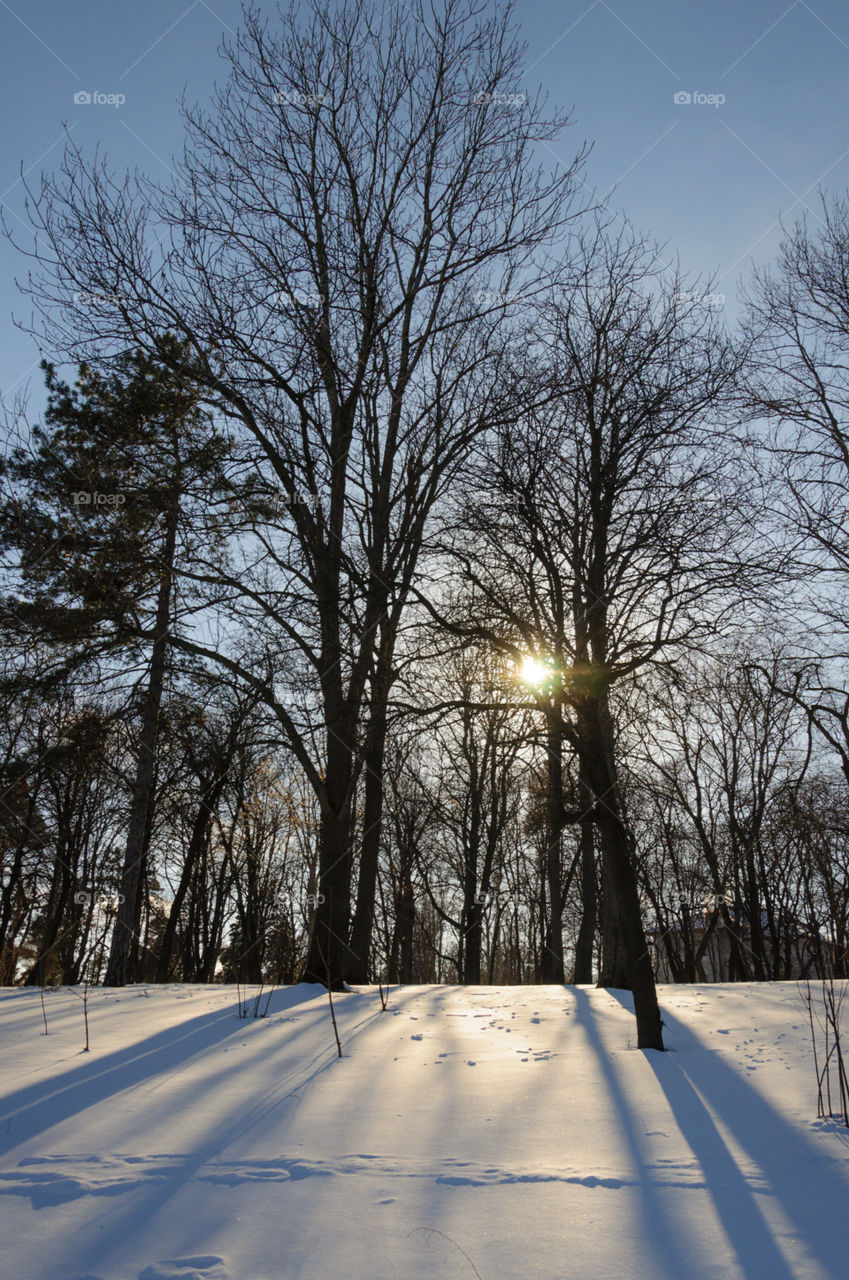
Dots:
pixel 330 996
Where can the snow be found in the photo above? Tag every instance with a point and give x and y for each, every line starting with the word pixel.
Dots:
pixel 497 1132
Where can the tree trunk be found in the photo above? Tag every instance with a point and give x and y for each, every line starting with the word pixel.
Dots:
pixel 138 944
pixel 127 919
pixel 614 965
pixel 363 922
pixel 12 889
pixel 689 950
pixel 473 916
pixel 753 911
pixel 401 953
pixel 197 840
pixel 585 944
pixel 60 892
pixel 552 969
pixel 597 749
pixel 329 958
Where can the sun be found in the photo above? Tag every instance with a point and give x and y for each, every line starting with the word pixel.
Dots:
pixel 533 672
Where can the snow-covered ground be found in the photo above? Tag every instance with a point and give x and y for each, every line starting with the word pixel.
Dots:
pixel 503 1133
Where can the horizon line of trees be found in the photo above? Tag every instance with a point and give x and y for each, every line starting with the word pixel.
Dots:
pixel 735 819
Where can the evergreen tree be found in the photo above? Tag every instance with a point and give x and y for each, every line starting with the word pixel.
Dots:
pixel 119 485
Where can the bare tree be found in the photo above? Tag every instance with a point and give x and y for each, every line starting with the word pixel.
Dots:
pixel 723 752
pixel 342 239
pixel 798 377
pixel 475 795
pixel 605 536
pixel 798 380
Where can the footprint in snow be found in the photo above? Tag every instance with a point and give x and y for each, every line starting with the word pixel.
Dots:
pixel 207 1266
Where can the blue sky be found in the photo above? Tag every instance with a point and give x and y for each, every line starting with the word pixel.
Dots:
pixel 710 179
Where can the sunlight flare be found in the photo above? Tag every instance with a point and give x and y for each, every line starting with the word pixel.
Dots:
pixel 533 672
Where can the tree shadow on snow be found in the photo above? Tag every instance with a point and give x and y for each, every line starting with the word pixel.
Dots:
pixel 663 1238
pixel 165 1052
pixel 34 1109
pixel 789 1168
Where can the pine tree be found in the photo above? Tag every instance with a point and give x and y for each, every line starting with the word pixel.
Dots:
pixel 118 486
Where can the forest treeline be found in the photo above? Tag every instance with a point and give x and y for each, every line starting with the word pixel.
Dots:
pixel 415 577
